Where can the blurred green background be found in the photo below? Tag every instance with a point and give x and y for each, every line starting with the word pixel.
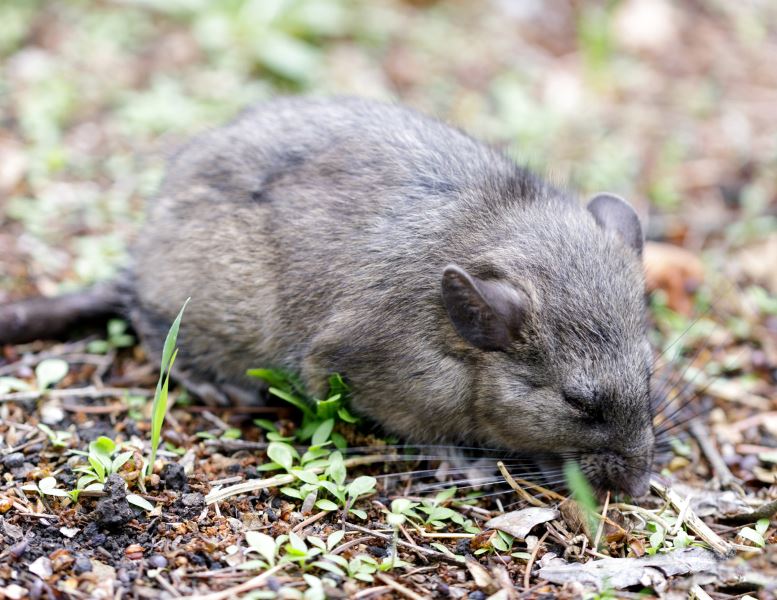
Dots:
pixel 672 105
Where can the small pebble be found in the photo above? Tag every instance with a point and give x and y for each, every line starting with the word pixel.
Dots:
pixel 13 460
pixel 82 565
pixel 157 561
pixel 477 595
pixel 193 499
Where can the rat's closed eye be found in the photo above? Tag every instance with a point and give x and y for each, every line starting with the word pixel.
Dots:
pixel 587 405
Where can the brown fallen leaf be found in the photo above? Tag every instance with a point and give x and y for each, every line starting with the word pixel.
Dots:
pixel 676 271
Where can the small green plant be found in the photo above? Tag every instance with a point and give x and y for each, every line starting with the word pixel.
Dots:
pixel 756 533
pixel 58 439
pixel 159 407
pixel 102 462
pixel 434 514
pixel 49 372
pixel 117 337
pixel 582 492
pixel 315 412
pixel 46 487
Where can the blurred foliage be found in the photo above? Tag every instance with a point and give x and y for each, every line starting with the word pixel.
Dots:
pixel 610 95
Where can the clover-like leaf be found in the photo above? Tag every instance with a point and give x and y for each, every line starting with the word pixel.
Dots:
pixel 263 544
pixel 50 372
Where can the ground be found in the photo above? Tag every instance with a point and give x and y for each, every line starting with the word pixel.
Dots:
pixel 670 105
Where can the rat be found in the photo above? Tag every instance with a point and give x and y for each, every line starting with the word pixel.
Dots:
pixel 463 298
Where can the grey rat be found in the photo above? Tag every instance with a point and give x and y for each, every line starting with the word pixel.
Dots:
pixel 462 297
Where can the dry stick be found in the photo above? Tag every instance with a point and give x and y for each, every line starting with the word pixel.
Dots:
pixel 398 587
pixel 542 490
pixel 725 476
pixel 697 593
pixel 518 489
pixel 85 392
pixel 310 520
pixel 532 558
pixel 234 592
pixel 695 524
pixel 365 593
pixel 261 484
pixel 434 553
pixel 600 529
pixel 644 512
pixel 765 511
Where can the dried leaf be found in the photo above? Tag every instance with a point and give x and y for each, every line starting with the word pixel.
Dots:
pixel 520 522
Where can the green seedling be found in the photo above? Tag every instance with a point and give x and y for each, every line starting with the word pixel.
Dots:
pixel 13 384
pixel 160 405
pixel 58 439
pixel 756 533
pixel 117 337
pixel 582 492
pixel 315 412
pixel 433 513
pixel 46 487
pixel 50 372
pixel 103 461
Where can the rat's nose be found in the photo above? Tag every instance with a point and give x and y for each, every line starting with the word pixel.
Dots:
pixel 612 471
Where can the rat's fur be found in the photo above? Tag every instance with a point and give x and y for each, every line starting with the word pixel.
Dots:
pixel 463 298
pixel 312 235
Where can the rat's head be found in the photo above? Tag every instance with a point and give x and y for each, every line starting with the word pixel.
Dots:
pixel 555 319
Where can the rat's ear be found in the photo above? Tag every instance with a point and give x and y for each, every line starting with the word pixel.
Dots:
pixel 613 213
pixel 486 313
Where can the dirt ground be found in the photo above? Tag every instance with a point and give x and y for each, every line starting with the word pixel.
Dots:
pixel 671 105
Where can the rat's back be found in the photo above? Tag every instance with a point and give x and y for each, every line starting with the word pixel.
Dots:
pixel 306 216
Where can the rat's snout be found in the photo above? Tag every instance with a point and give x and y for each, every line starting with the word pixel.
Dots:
pixel 609 470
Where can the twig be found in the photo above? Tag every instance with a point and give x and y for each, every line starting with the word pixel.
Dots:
pixel 724 474
pixel 518 489
pixel 542 490
pixel 236 591
pixel 366 593
pixel 699 527
pixel 310 520
pixel 278 480
pixel 765 511
pixel 84 392
pixel 398 586
pixel 697 593
pixel 438 555
pixel 532 558
pixel 600 529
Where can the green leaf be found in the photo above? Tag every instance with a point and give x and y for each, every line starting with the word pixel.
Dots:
pixel 339 441
pixel 762 525
pixel 325 504
pixel 445 495
pixel 48 486
pixel 359 513
pixel 334 538
pixel 50 372
pixel 281 453
pixel 120 460
pixel 328 566
pixel 263 544
pixel 140 502
pixel 297 542
pixel 12 384
pixel 753 536
pixel 361 485
pixel 306 476
pixel 292 493
pixel 265 424
pixel 336 468
pixel 322 433
pixel 294 401
pixel 159 406
pixel 582 491
pixel 98 467
pixel 346 416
